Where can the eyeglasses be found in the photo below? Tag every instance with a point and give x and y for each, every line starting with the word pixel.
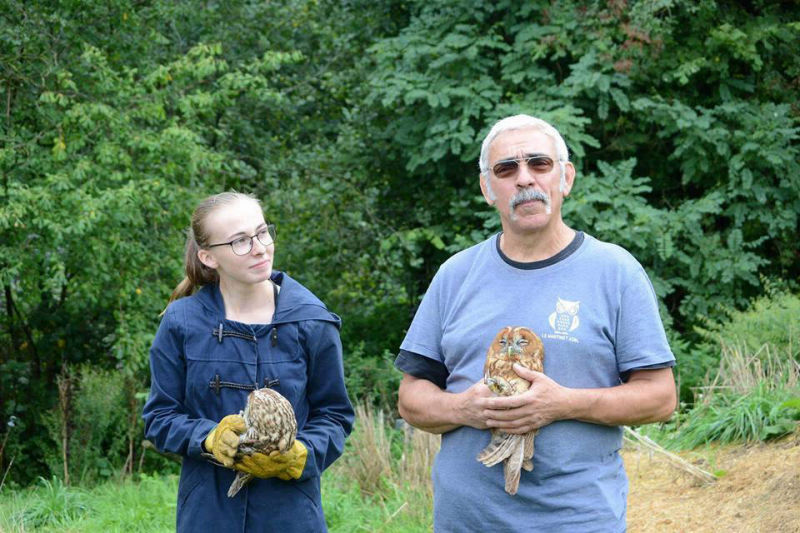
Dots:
pixel 537 164
pixel 243 245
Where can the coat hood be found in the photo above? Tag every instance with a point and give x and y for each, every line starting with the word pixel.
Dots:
pixel 295 302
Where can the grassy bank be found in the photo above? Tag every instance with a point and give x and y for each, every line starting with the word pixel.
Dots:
pixel 380 484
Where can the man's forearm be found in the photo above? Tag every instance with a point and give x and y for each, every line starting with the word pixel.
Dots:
pixel 648 396
pixel 429 408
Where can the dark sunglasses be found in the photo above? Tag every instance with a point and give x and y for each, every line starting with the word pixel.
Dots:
pixel 537 164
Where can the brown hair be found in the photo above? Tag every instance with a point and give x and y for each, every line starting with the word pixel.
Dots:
pixel 198 274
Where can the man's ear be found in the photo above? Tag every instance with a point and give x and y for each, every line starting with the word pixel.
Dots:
pixel 487 194
pixel 569 177
pixel 207 258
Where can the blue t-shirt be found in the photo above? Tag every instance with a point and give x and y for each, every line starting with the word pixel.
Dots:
pixel 597 315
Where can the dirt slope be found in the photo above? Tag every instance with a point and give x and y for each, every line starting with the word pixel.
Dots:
pixel 758 492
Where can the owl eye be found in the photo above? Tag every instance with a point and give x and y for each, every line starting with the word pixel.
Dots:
pixel 503 342
pixel 523 342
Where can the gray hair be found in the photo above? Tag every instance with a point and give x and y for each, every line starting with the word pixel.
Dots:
pixel 520 122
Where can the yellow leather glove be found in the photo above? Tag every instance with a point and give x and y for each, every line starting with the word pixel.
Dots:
pixel 223 440
pixel 284 466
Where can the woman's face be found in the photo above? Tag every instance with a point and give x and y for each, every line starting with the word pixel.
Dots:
pixel 240 219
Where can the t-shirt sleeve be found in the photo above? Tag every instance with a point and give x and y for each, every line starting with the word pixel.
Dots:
pixel 424 335
pixel 641 342
pixel 624 376
pixel 422 367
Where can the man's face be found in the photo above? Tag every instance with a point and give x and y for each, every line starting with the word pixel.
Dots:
pixel 526 191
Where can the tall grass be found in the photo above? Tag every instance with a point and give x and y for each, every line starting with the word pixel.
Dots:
pixel 753 396
pixel 382 482
pixel 53 504
pixel 742 370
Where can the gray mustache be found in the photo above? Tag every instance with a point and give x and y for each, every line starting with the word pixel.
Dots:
pixel 527 195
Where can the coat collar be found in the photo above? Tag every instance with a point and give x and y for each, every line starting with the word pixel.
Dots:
pixel 295 302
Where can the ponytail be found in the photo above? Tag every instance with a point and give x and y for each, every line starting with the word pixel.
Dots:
pixel 197 274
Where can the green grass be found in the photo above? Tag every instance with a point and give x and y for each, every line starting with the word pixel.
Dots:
pixel 146 505
pixel 403 510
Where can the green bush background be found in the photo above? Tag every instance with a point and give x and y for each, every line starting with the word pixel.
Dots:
pixel 358 124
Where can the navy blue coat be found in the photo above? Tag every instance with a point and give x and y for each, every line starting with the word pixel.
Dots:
pixel 202 369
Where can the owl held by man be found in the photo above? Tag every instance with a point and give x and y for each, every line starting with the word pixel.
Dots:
pixel 513 344
pixel 271 427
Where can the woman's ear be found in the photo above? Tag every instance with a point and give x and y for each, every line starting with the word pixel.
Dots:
pixel 207 258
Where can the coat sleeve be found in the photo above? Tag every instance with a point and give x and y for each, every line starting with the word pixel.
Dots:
pixel 330 418
pixel 167 422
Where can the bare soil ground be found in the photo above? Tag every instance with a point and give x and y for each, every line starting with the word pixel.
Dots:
pixel 757 491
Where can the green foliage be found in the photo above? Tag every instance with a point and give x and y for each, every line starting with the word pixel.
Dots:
pixel 114 126
pixel 372 379
pixel 745 381
pixel 717 157
pixel 382 481
pixel 347 510
pixel 98 427
pixel 771 319
pixel 148 505
pixel 768 326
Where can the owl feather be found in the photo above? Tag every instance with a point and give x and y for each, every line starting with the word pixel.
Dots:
pixel 270 426
pixel 511 345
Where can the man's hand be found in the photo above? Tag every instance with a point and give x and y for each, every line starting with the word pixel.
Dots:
pixel 223 440
pixel 647 396
pixel 545 402
pixel 471 405
pixel 284 466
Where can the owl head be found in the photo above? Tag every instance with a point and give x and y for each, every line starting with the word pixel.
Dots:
pixel 515 343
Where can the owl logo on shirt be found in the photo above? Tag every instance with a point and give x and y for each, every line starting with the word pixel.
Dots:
pixel 565 318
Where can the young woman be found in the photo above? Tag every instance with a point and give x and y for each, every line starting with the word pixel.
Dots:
pixel 233 325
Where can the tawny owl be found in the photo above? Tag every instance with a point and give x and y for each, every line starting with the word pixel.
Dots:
pixel 511 345
pixel 271 426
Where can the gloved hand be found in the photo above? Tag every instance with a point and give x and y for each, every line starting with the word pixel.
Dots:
pixel 284 466
pixel 223 440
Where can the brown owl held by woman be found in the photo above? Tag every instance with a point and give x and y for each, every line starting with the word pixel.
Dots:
pixel 271 427
pixel 513 344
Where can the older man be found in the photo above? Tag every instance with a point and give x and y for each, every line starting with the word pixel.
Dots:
pixel 607 360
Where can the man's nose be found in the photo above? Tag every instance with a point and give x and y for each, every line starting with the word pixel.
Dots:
pixel 525 178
